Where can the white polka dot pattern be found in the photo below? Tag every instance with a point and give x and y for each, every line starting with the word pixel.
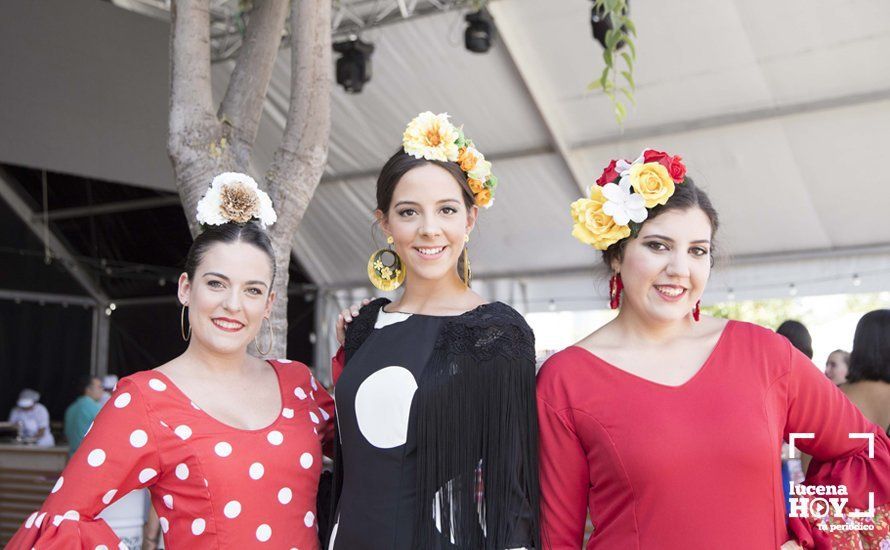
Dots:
pixel 138 441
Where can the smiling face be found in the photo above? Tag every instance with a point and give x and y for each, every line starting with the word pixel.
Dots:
pixel 429 221
pixel 229 296
pixel 665 269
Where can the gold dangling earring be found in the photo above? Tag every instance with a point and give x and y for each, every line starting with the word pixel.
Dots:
pixel 467 272
pixel 256 341
pixel 182 325
pixel 386 276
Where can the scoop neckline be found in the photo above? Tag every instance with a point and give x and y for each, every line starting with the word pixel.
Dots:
pixel 698 373
pixel 201 410
pixel 480 306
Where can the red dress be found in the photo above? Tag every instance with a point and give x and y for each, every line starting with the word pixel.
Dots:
pixel 213 486
pixel 696 465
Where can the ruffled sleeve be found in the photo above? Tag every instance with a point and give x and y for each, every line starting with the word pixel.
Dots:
pixel 118 454
pixel 847 449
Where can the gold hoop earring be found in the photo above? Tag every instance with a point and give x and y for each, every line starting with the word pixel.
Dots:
pixel 386 276
pixel 467 272
pixel 256 341
pixel 182 325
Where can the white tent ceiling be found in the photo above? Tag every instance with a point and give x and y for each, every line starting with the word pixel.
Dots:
pixel 781 111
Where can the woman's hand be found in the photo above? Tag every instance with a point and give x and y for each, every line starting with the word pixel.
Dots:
pixel 791 545
pixel 346 316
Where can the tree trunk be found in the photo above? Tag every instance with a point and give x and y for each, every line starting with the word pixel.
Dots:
pixel 204 141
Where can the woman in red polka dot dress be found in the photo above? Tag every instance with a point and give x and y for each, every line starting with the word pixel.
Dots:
pixel 228 445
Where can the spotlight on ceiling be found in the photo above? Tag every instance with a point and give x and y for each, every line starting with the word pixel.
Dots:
pixel 354 64
pixel 601 23
pixel 480 31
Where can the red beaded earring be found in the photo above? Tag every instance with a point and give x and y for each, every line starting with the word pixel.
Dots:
pixel 615 288
pixel 696 313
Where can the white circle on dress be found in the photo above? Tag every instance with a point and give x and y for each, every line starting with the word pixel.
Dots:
pixel 182 471
pixel 96 458
pixel 383 406
pixel 138 438
pixel 232 509
pixel 198 526
pixel 183 431
pixel 109 496
pixel 263 533
pixel 285 495
pixel 306 460
pixel 275 437
pixel 122 400
pixel 157 385
pixel 223 449
pixel 256 470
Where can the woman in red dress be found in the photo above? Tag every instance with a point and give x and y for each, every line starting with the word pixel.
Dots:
pixel 666 426
pixel 229 445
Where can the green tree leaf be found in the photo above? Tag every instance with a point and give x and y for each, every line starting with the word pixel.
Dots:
pixel 628 61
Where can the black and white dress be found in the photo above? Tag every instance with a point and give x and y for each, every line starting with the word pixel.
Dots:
pixel 423 460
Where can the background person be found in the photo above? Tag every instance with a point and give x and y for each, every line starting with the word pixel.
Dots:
pixel 33 418
pixel 80 414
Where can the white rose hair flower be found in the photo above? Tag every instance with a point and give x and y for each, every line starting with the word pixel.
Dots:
pixel 235 197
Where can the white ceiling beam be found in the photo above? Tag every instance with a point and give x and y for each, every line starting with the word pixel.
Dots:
pixel 731 119
pixel 528 75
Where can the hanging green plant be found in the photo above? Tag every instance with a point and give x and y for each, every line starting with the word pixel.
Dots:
pixel 619 54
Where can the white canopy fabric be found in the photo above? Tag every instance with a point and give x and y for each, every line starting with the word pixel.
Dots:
pixel 780 110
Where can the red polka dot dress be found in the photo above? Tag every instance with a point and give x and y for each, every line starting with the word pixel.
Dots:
pixel 213 486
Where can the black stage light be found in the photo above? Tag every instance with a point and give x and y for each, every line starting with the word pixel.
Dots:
pixel 354 64
pixel 480 31
pixel 602 24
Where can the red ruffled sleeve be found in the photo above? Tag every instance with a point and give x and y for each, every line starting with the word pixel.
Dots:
pixel 118 454
pixel 847 449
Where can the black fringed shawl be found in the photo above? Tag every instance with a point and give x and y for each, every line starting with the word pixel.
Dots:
pixel 477 452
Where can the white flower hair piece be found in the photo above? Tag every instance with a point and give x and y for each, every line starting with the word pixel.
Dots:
pixel 235 197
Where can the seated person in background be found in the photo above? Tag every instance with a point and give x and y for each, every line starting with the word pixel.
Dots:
pixel 33 418
pixel 837 365
pixel 79 415
pixel 869 376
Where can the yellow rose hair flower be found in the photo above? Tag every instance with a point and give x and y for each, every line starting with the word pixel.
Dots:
pixel 653 182
pixel 592 225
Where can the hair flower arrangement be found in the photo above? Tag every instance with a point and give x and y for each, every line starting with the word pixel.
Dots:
pixel 433 137
pixel 619 203
pixel 235 197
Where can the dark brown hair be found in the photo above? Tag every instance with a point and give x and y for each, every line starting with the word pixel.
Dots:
pixel 228 232
pixel 686 195
pixel 797 333
pixel 870 358
pixel 400 164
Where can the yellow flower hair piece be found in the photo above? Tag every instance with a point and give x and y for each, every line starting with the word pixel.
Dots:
pixel 619 203
pixel 433 137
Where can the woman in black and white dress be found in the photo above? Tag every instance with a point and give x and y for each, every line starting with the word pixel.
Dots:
pixel 437 444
